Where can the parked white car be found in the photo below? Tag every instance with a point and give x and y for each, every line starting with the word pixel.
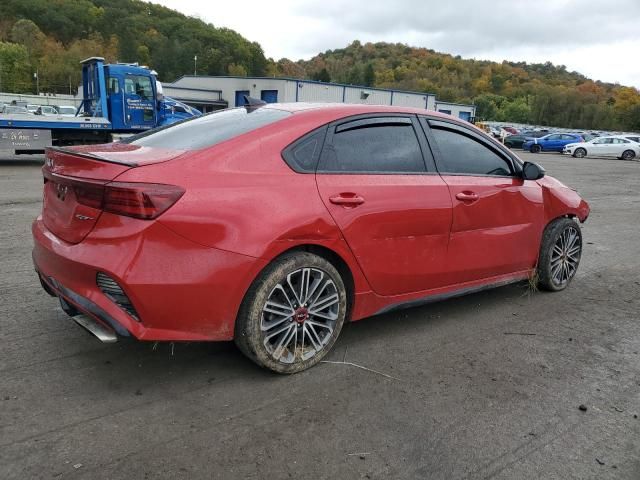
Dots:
pixel 66 110
pixel 611 146
pixel 46 110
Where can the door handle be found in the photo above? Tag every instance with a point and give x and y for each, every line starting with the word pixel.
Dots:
pixel 467 196
pixel 347 199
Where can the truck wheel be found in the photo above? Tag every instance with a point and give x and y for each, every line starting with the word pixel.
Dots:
pixel 580 153
pixel 560 253
pixel 535 148
pixel 293 313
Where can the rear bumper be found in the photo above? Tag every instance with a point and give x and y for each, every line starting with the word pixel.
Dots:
pixel 181 290
pixel 96 314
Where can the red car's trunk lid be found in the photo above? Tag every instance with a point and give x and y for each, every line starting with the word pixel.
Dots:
pixel 74 178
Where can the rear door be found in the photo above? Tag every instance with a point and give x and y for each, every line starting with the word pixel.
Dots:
pixel 497 216
pixel 567 139
pixel 376 177
pixel 619 145
pixel 552 142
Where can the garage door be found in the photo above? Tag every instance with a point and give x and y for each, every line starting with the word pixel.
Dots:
pixel 240 94
pixel 269 96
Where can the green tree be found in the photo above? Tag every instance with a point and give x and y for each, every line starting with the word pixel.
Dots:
pixel 322 76
pixel 516 111
pixel 369 75
pixel 15 70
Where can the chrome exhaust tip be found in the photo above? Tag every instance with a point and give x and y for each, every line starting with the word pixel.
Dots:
pixel 104 334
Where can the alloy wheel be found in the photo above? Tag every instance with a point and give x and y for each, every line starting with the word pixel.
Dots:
pixel 628 155
pixel 299 316
pixel 565 256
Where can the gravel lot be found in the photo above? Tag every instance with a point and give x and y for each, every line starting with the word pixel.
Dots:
pixel 487 386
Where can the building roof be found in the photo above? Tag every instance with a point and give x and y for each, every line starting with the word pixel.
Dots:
pixel 298 80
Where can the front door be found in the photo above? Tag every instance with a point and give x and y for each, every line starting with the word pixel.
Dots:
pixel 392 208
pixel 139 99
pixel 602 147
pixel 497 216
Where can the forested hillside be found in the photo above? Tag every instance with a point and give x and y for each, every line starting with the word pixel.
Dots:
pixel 52 36
pixel 516 92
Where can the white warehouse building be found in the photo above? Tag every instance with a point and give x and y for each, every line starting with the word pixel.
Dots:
pixel 210 93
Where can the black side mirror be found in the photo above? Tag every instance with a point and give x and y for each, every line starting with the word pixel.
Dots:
pixel 532 171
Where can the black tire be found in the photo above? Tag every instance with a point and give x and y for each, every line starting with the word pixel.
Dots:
pixel 549 276
pixel 580 153
pixel 628 155
pixel 535 148
pixel 253 332
pixel 508 145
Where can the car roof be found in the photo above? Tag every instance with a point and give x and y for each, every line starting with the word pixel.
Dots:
pixel 353 108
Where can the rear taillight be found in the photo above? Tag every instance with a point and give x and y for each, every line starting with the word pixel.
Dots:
pixel 138 200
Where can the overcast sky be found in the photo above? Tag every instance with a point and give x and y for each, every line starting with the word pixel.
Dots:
pixel 599 38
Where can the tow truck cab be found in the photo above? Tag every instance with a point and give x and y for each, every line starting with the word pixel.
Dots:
pixel 127 95
pixel 123 93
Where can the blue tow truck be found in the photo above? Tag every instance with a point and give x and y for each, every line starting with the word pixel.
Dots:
pixel 118 100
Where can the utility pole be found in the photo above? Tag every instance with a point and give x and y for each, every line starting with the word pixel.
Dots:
pixel 195 65
pixel 35 75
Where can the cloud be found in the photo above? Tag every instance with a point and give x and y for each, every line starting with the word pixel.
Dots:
pixel 599 38
pixel 470 26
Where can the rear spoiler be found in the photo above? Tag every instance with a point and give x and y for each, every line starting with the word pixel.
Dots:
pixel 90 156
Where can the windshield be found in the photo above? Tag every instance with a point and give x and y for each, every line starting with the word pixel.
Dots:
pixel 208 130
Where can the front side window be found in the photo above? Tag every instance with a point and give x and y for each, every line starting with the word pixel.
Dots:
pixel 138 85
pixel 463 155
pixel 553 137
pixel 381 145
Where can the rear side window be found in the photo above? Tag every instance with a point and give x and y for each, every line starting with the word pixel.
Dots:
pixel 302 155
pixel 463 155
pixel 208 130
pixel 381 145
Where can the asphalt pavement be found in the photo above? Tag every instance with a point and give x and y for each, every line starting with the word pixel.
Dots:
pixel 485 386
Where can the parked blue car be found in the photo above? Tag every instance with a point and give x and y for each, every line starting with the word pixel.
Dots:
pixel 554 142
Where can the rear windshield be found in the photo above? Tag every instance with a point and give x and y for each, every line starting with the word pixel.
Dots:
pixel 208 130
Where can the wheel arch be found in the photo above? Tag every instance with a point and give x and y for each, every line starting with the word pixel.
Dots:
pixel 563 202
pixel 581 148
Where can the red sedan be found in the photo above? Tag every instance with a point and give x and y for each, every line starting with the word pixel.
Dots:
pixel 273 226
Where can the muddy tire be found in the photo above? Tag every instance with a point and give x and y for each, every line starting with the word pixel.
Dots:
pixel 560 253
pixel 293 313
pixel 580 153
